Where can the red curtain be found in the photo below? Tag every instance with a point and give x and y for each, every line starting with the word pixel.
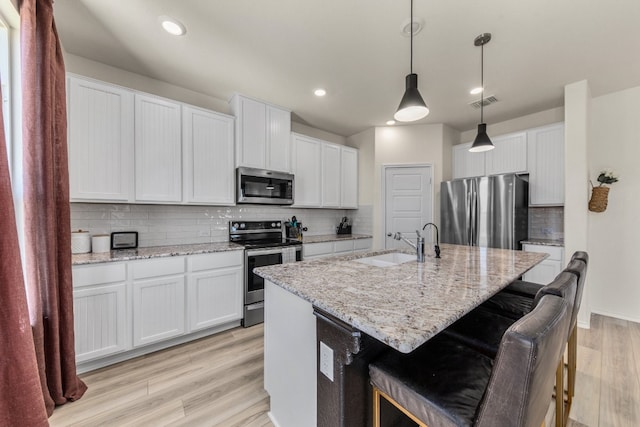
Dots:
pixel 20 392
pixel 46 204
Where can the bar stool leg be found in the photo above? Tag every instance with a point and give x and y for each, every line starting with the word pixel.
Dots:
pixel 572 362
pixel 376 407
pixel 560 393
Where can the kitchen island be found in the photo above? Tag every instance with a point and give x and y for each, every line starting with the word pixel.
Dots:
pixel 326 319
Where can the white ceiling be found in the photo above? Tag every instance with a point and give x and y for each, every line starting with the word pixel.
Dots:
pixel 280 50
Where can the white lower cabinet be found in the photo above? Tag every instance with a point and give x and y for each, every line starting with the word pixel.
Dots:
pixel 100 311
pixel 548 269
pixel 214 289
pixel 339 247
pixel 362 245
pixel 158 300
pixel 125 309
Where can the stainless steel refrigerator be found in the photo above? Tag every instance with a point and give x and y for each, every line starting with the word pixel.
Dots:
pixel 488 211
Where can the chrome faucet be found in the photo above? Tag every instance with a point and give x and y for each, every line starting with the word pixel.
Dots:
pixel 418 246
pixel 437 245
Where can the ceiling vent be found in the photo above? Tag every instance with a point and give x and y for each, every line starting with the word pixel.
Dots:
pixel 491 99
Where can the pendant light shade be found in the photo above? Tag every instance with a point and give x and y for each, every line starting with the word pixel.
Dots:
pixel 482 141
pixel 412 107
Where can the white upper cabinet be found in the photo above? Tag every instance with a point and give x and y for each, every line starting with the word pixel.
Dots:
pixel 537 151
pixel 546 165
pixel 465 163
pixel 262 134
pixel 208 148
pixel 326 174
pixel 100 141
pixel 158 147
pixel 508 156
pixel 349 178
pixel 307 169
pixel 278 139
pixel 331 176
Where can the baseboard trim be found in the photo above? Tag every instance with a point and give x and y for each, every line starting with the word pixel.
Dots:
pixel 92 365
pixel 616 315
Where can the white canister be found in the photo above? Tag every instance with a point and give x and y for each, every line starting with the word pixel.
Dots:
pixel 100 243
pixel 80 242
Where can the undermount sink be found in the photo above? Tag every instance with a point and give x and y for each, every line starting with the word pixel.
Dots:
pixel 387 260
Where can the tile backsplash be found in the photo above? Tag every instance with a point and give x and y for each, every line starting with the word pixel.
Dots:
pixel 546 223
pixel 160 225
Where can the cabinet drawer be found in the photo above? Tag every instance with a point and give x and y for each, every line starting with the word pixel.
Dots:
pixel 343 246
pixel 215 260
pixel 157 267
pixel 317 249
pixel 555 252
pixel 86 275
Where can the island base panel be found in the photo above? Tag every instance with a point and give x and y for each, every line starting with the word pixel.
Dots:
pixel 346 401
pixel 289 358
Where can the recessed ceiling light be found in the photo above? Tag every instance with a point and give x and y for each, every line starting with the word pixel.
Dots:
pixel 475 90
pixel 319 92
pixel 391 122
pixel 172 26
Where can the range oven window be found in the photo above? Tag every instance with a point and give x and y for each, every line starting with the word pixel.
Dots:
pixel 269 188
pixel 255 282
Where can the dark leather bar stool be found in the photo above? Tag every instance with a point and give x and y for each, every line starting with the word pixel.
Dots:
pixel 529 289
pixel 513 301
pixel 483 329
pixel 446 383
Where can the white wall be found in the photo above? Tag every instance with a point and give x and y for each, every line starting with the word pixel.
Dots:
pixel 415 144
pixel 577 99
pixel 614 142
pixel 99 71
pixel 318 133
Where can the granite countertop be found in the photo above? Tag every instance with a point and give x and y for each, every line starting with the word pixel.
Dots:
pixel 544 242
pixel 154 252
pixel 406 304
pixel 333 238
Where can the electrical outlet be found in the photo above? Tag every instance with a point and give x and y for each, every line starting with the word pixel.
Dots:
pixel 326 360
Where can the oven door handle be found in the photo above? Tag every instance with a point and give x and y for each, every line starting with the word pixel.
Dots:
pixel 257 252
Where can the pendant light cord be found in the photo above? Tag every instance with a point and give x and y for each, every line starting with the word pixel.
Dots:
pixel 481 82
pixel 411 44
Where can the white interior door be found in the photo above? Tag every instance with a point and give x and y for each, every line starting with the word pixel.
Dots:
pixel 408 202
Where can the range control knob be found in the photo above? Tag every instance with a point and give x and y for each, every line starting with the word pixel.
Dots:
pixel 278 224
pixel 273 225
pixel 236 225
pixel 242 225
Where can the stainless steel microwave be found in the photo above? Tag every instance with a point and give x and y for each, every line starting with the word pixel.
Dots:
pixel 264 187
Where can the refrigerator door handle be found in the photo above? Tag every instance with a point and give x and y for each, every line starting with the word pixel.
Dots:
pixel 473 202
pixel 474 219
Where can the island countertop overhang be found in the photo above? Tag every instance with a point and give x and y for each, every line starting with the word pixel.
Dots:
pixel 406 304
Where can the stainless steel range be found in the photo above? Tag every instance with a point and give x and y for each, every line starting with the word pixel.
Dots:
pixel 264 244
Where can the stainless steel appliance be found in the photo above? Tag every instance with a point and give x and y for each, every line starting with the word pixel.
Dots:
pixel 264 187
pixel 488 211
pixel 264 245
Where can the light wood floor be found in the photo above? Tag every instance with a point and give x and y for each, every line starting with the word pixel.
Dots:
pixel 217 381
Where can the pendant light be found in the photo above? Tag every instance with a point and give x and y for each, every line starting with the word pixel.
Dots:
pixel 412 107
pixel 482 141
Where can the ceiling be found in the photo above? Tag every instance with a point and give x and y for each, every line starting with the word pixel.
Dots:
pixel 281 50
